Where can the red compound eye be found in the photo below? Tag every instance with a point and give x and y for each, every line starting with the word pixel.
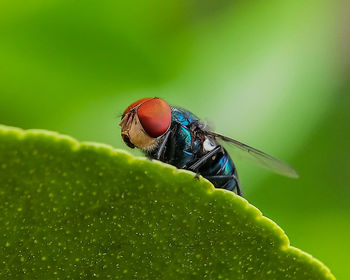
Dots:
pixel 154 115
pixel 135 104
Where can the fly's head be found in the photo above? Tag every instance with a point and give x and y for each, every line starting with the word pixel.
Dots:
pixel 144 122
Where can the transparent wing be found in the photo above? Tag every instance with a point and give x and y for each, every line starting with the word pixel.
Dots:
pixel 264 160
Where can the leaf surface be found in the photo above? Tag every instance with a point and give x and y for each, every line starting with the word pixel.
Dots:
pixel 73 210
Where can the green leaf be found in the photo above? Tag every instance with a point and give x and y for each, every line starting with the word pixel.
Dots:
pixel 81 211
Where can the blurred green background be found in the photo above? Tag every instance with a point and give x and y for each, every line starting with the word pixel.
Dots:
pixel 273 74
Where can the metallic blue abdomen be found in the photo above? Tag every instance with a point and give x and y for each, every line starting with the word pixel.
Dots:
pixel 221 165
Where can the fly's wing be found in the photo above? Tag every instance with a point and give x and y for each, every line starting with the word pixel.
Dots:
pixel 264 160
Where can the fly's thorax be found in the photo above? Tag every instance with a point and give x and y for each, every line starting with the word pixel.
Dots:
pixel 132 131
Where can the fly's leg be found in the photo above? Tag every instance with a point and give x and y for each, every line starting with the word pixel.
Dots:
pixel 161 150
pixel 197 176
pixel 194 167
pixel 167 143
pixel 238 189
pixel 226 179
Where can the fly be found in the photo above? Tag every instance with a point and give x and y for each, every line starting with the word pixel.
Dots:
pixel 177 137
